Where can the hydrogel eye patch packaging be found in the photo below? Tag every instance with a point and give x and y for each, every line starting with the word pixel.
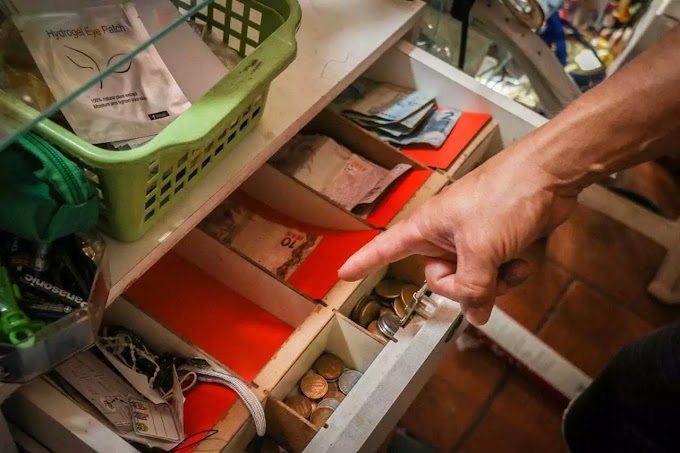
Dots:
pixel 71 47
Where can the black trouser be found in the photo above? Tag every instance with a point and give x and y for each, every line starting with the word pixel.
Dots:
pixel 634 405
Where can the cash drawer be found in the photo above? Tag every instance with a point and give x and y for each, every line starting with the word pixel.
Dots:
pixel 393 371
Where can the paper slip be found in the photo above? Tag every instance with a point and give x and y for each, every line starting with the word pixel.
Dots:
pixel 154 420
pixel 101 387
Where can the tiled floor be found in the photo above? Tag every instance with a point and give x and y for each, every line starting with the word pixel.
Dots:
pixel 586 299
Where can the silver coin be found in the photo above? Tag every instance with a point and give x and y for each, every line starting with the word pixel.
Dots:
pixel 348 380
pixel 388 324
pixel 331 403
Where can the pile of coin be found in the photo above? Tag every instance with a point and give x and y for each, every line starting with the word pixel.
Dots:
pixel 322 389
pixel 382 311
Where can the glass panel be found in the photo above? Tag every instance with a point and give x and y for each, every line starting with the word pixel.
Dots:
pixel 21 83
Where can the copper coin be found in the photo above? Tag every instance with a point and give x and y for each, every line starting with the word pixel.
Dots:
pixel 334 394
pixel 399 307
pixel 369 312
pixel 320 416
pixel 389 289
pixel 329 366
pixel 300 404
pixel 333 387
pixel 313 386
pixel 375 331
pixel 407 292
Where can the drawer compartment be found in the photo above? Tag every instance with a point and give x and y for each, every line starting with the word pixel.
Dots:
pixel 400 198
pixel 353 345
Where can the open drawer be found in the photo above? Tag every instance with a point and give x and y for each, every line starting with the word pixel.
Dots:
pixel 223 321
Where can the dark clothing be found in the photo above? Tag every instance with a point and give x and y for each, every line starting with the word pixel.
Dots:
pixel 634 405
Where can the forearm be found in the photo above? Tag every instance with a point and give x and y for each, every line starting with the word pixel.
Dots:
pixel 632 117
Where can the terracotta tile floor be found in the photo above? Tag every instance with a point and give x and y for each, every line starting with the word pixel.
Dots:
pixel 586 298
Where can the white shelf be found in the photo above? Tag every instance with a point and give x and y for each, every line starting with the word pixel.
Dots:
pixel 338 40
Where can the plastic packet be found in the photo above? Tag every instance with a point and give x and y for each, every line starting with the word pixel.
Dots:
pixel 138 99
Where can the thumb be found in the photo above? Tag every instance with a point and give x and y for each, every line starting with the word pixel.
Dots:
pixel 471 282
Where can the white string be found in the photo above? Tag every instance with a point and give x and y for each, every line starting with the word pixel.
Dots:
pixel 193 379
pixel 241 388
pixel 118 344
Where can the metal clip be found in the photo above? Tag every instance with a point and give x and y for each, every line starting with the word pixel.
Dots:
pixel 424 306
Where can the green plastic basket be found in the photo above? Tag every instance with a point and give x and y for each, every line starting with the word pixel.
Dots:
pixel 136 187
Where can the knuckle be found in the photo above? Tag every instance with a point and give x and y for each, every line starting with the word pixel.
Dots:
pixel 474 294
pixel 435 286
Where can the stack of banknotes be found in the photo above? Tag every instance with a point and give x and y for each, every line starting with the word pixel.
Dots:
pixel 398 115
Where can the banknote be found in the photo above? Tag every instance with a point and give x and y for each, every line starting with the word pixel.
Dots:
pixel 408 126
pixel 277 248
pixel 334 171
pixel 381 103
pixel 362 182
pixel 372 198
pixel 314 160
pixel 433 132
pixel 395 128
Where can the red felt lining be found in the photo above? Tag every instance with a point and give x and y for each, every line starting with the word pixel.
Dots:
pixel 215 318
pixel 398 197
pixel 462 134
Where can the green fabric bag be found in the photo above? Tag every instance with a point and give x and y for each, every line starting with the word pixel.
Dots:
pixel 43 195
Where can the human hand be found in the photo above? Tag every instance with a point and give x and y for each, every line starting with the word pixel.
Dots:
pixel 472 232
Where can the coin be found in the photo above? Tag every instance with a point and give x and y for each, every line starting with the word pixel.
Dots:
pixel 369 312
pixel 320 416
pixel 389 325
pixel 385 310
pixel 334 394
pixel 375 331
pixel 399 308
pixel 348 380
pixel 389 289
pixel 300 404
pixel 331 403
pixel 354 316
pixel 407 292
pixel 333 387
pixel 382 301
pixel 329 366
pixel 313 386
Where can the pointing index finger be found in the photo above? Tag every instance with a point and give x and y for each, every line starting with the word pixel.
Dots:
pixel 399 241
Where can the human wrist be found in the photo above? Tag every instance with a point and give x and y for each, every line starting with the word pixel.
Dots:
pixel 565 154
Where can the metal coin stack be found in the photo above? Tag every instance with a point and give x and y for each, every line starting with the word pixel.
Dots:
pixel 322 389
pixel 382 311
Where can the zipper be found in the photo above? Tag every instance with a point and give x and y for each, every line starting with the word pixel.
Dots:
pixel 61 164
